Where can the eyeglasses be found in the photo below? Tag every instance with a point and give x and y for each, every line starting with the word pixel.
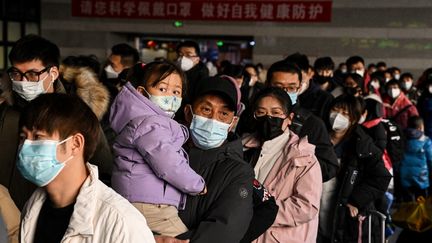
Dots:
pixel 32 76
pixel 289 88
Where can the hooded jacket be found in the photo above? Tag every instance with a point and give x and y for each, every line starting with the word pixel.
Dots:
pixel 150 164
pixel 417 163
pixel 224 213
pixel 100 216
pixel 85 84
pixel 295 181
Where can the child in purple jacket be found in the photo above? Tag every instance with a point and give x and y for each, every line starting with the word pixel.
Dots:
pixel 151 169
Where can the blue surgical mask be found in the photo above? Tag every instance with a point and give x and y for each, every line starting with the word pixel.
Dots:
pixel 37 161
pixel 208 133
pixel 293 97
pixel 169 104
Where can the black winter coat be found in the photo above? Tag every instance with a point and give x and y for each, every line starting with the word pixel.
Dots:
pixel 316 100
pixel 224 213
pixel 370 184
pixel 315 130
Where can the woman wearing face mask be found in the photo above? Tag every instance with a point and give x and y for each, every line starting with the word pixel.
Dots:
pixel 397 105
pixel 363 178
pixel 425 107
pixel 286 164
pixel 151 169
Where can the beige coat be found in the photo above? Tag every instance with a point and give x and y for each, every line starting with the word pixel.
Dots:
pixel 295 182
pixel 100 215
pixel 10 214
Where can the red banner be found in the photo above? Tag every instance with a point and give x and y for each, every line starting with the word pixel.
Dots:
pixel 243 10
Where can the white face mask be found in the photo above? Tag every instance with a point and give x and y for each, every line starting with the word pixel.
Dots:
pixel 110 73
pixel 394 92
pixel 344 70
pixel 185 63
pixel 338 122
pixel 360 72
pixel 407 85
pixel 430 89
pixel 375 84
pixel 30 90
pixel 397 76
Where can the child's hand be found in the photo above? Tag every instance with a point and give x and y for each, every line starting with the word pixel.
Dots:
pixel 204 191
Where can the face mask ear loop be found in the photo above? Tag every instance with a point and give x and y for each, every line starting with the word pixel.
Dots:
pixel 70 157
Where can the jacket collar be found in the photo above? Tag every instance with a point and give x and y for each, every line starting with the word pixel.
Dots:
pixel 81 222
pixel 295 148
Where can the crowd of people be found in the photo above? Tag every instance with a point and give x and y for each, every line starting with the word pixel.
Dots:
pixel 181 151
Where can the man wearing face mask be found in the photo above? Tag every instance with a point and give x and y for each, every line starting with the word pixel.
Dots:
pixel 189 60
pixel 59 134
pixel 123 56
pixel 356 64
pixel 223 215
pixel 35 71
pixel 310 96
pixel 397 105
pixel 408 87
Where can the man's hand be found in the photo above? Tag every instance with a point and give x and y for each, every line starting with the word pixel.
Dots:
pixel 353 210
pixel 168 239
pixel 204 191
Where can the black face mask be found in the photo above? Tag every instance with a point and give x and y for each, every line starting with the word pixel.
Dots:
pixel 269 127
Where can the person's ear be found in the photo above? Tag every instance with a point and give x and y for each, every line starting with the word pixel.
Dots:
pixel 77 144
pixel 141 90
pixel 233 123
pixel 54 73
pixel 287 121
pixel 188 113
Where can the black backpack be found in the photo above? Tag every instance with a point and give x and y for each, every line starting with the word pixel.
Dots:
pixel 395 142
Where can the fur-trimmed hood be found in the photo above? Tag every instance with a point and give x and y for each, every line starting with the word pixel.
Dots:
pixel 85 83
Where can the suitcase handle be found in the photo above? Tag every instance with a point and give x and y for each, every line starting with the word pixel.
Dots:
pixel 383 218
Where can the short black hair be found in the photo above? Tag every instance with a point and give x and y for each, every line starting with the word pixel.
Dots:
pixel 283 66
pixel 189 43
pixel 353 60
pixel 406 75
pixel 324 63
pixel 63 113
pixel 381 64
pixel 33 47
pixel 392 82
pixel 300 60
pixel 276 93
pixel 129 55
pixel 415 122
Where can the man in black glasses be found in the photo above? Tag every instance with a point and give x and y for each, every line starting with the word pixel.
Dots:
pixel 35 70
